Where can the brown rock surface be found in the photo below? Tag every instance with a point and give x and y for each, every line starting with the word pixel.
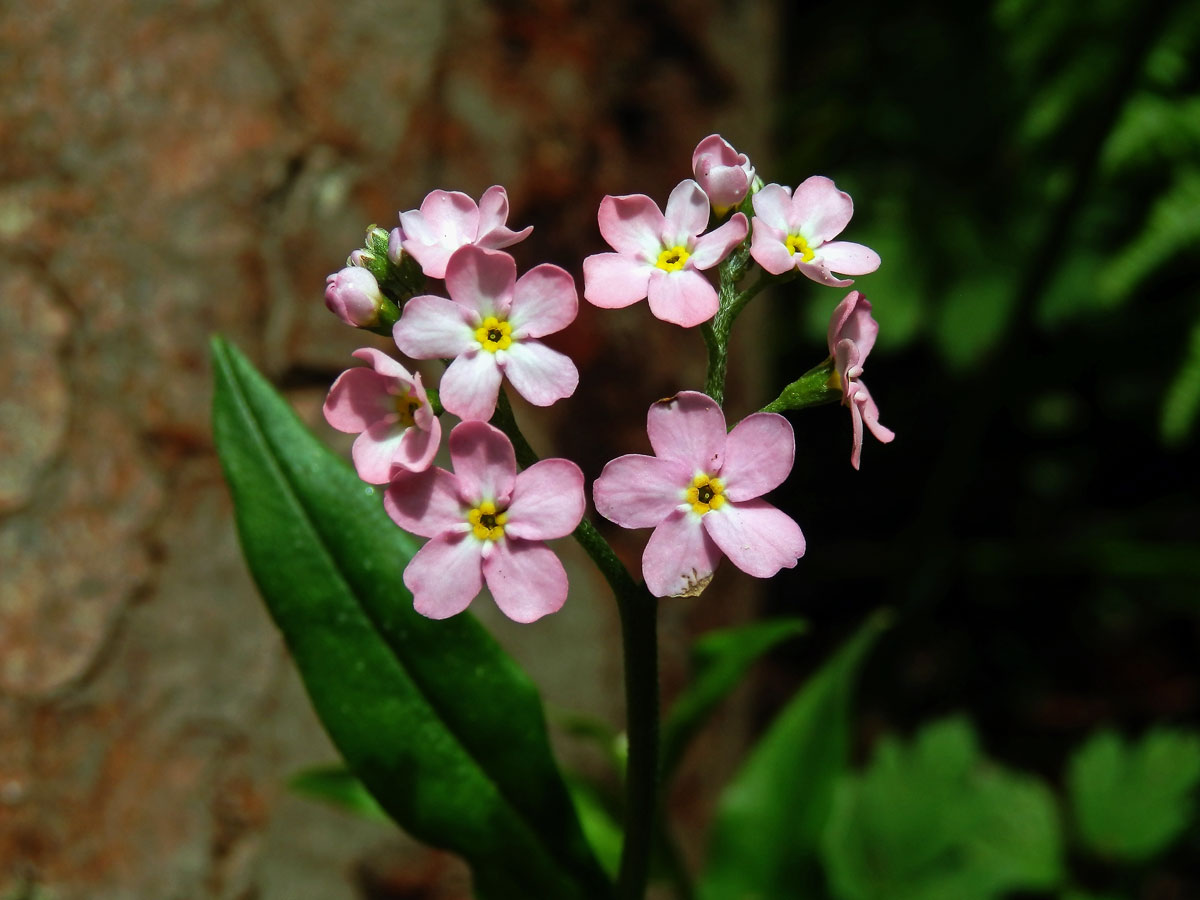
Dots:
pixel 172 170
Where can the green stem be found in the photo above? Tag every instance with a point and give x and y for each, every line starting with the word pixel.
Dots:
pixel 638 611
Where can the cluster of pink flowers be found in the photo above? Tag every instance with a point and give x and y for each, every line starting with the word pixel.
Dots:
pixel 701 490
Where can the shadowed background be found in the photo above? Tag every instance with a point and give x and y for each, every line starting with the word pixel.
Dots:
pixel 1029 173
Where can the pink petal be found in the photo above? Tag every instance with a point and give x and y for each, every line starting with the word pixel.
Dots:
pixel 493 216
pixel 684 298
pixel 819 272
pixel 544 301
pixel 612 281
pixel 716 245
pixel 471 384
pixel 638 491
pixel 688 428
pixel 418 446
pixel 432 327
pixel 773 205
pixel 484 462
pixel 526 579
pixel 758 538
pixel 385 365
pixel 846 362
pixel 870 415
pixel 426 503
pixel 820 210
pixel 633 225
pixel 849 258
pixel 686 214
pixel 723 173
pixel 856 424
pixel 680 557
pixel 847 322
pixel 482 280
pixel 768 248
pixel 540 375
pixel 358 398
pixel 547 501
pixel 445 575
pixel 374 450
pixel 446 221
pixel 759 453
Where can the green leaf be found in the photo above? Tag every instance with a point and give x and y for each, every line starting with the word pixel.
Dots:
pixel 599 824
pixel 440 725
pixel 1182 401
pixel 1131 800
pixel 720 659
pixel 935 821
pixel 337 786
pixel 767 833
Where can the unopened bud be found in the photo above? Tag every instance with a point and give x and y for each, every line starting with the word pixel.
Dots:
pixel 360 258
pixel 353 295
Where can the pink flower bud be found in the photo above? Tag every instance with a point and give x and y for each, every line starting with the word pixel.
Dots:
pixel 724 174
pixel 353 296
pixel 395 250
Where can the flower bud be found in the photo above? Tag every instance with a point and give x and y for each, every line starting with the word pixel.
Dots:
pixel 724 174
pixel 353 295
pixel 360 258
pixel 395 251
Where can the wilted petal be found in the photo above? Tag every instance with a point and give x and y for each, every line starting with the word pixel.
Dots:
pixel 758 538
pixel 759 453
pixel 445 575
pixel 526 579
pixel 689 428
pixel 680 557
pixel 638 491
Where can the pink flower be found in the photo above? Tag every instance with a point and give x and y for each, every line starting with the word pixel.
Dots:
pixel 486 523
pixel 353 295
pixel 724 174
pixel 448 220
pixel 852 333
pixel 390 409
pixel 795 231
pixel 489 325
pixel 700 494
pixel 660 257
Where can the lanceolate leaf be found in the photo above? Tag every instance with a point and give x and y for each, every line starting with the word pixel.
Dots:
pixel 767 835
pixel 439 724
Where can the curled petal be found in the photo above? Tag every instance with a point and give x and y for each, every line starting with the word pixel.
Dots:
pixel 716 245
pixel 852 320
pixel 425 503
pixel 526 579
pixel 484 462
pixel 638 491
pixel 633 225
pixel 544 301
pixel 418 446
pixel 358 399
pixel 375 449
pixel 432 327
pixel 870 415
pixel 547 501
pixel 482 280
pixel 613 281
pixel 686 214
pixel 540 375
pixel 820 209
pixel 494 232
pixel 759 453
pixel 847 362
pixel 849 258
pixel 758 538
pixel 471 384
pixel 819 272
pixel 385 365
pixel 684 298
pixel 680 557
pixel 445 575
pixel 689 428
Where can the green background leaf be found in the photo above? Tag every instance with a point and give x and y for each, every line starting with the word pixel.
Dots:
pixel 440 725
pixel 1130 800
pixel 767 832
pixel 337 786
pixel 935 821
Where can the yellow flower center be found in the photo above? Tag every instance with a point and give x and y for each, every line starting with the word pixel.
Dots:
pixel 486 523
pixel 796 243
pixel 705 494
pixel 494 335
pixel 672 259
pixel 406 405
